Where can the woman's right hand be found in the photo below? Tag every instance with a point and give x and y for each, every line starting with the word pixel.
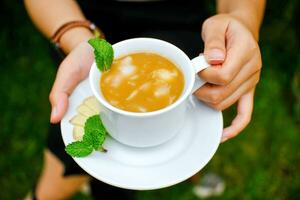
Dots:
pixel 74 68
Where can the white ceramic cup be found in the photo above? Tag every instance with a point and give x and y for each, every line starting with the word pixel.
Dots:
pixel 156 127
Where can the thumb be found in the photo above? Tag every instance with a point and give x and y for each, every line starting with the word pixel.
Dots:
pixel 72 70
pixel 59 104
pixel 213 35
pixel 65 81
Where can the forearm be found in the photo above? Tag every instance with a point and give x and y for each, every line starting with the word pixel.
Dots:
pixel 49 15
pixel 249 12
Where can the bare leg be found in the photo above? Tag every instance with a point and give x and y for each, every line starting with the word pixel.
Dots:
pixel 52 184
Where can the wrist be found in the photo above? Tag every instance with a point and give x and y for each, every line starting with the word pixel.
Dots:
pixel 73 37
pixel 249 20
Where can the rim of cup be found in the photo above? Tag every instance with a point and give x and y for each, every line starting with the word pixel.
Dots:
pixel 182 97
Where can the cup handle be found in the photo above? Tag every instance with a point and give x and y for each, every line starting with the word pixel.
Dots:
pixel 199 63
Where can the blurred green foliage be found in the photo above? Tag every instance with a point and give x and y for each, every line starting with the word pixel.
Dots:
pixel 261 163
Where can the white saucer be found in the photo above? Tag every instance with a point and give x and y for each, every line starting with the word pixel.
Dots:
pixel 155 167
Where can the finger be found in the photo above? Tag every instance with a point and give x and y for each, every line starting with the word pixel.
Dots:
pixel 243 89
pixel 217 93
pixel 65 81
pixel 244 113
pixel 59 106
pixel 213 35
pixel 237 55
pixel 72 70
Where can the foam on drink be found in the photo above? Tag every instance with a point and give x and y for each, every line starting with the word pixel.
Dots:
pixel 142 82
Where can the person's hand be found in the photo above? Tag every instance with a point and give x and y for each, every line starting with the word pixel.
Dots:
pixel 235 57
pixel 74 68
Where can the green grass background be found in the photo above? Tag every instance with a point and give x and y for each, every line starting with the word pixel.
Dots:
pixel 263 162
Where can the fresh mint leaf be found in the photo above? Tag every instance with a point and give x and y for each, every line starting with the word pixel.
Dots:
pixel 93 138
pixel 79 149
pixel 94 123
pixel 104 53
pixel 94 132
pixel 99 60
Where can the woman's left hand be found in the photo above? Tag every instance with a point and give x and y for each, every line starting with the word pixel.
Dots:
pixel 235 57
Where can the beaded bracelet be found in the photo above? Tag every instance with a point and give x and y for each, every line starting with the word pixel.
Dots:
pixel 73 24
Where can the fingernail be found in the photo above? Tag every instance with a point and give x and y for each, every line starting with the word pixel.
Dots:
pixel 53 112
pixel 216 55
pixel 225 135
pixel 224 139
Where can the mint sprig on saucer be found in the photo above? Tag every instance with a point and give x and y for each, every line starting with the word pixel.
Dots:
pixel 93 138
pixel 79 149
pixel 94 132
pixel 104 53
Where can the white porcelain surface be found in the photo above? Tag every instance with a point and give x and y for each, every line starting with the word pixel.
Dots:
pixel 153 167
pixel 150 128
